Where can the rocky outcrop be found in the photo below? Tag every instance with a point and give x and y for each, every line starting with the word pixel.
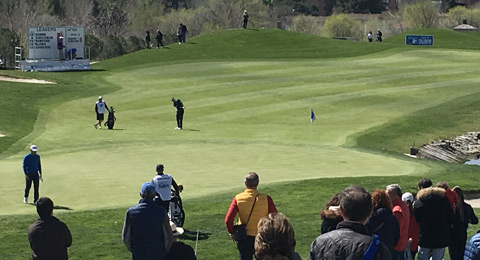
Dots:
pixel 458 150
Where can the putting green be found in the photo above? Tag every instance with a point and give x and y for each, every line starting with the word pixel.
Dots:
pixel 240 116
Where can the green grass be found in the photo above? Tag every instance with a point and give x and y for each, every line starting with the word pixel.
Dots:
pixel 248 95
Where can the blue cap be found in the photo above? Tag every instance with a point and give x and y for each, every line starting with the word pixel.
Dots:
pixel 148 187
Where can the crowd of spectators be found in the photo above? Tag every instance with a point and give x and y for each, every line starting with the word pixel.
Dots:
pixel 386 224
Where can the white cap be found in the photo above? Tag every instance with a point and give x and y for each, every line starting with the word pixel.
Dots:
pixel 177 231
pixel 33 148
pixel 99 97
pixel 407 196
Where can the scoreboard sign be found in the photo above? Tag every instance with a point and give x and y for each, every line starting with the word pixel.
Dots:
pixel 419 40
pixel 43 42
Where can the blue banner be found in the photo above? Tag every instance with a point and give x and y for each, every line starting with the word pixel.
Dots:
pixel 419 40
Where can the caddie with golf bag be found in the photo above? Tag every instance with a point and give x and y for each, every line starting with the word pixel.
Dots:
pixel 167 197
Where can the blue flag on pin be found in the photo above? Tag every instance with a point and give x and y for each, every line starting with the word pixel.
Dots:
pixel 312 115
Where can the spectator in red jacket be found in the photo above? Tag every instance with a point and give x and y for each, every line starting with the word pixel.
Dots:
pixel 401 211
pixel 451 195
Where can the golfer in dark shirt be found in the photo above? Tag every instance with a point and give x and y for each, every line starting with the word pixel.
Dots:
pixel 177 103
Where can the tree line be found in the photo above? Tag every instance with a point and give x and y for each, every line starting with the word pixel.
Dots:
pixel 117 27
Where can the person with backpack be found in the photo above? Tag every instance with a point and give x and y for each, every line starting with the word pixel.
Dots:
pixel 159 39
pixel 351 240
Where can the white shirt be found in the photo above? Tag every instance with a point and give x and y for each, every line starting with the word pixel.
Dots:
pixel 101 107
pixel 163 185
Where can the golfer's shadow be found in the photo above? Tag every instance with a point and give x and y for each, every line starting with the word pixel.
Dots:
pixel 62 207
pixel 192 235
pixel 191 130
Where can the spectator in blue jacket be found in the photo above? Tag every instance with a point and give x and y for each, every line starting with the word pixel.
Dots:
pixel 32 168
pixel 472 250
pixel 146 231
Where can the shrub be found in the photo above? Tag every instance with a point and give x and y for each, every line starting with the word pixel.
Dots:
pixel 95 45
pixel 8 41
pixel 113 47
pixel 340 25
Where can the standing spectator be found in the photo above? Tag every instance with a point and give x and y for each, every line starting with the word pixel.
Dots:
pixel 413 228
pixel 472 250
pixel 379 36
pixel 32 168
pixel 330 215
pixel 180 34
pixel 251 206
pixel 402 213
pixel 49 237
pixel 184 33
pixel 146 231
pixel 370 36
pixel 351 240
pixel 245 19
pixel 3 64
pixel 163 184
pixel 435 216
pixel 451 195
pixel 179 250
pixel 383 222
pixel 60 46
pixel 177 103
pixel 463 216
pixel 275 239
pixel 148 39
pixel 159 38
pixel 100 108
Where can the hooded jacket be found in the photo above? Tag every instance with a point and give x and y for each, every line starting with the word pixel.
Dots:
pixel 330 219
pixel 435 216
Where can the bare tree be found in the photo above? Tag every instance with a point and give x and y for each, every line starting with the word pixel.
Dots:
pixel 111 18
pixel 78 13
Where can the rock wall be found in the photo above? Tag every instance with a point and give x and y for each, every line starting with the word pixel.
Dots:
pixel 458 150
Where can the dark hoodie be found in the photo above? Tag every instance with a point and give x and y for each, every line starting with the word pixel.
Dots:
pixel 435 216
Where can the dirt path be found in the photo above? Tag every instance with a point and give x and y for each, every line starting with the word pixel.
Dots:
pixel 36 81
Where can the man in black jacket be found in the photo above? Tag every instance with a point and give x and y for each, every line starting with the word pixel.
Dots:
pixel 435 216
pixel 48 236
pixel 177 103
pixel 351 240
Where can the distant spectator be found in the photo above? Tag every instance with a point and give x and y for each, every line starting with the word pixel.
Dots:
pixel 413 227
pixel 180 33
pixel 370 36
pixel 3 64
pixel 49 237
pixel 159 38
pixel 60 46
pixel 184 33
pixel 463 216
pixel 451 195
pixel 146 231
pixel 383 222
pixel 179 250
pixel 472 250
pixel 330 214
pixel 351 239
pixel 402 213
pixel 251 206
pixel 148 39
pixel 245 19
pixel 435 216
pixel 32 168
pixel 379 36
pixel 163 187
pixel 275 239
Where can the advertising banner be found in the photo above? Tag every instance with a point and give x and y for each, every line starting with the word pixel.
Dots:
pixel 419 39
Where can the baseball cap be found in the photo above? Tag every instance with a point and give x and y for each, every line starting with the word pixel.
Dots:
pixel 177 231
pixel 33 148
pixel 407 196
pixel 100 97
pixel 159 167
pixel 148 186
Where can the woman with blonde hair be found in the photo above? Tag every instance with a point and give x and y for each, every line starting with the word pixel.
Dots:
pixel 275 239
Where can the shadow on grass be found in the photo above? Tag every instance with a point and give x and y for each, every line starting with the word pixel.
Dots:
pixel 191 130
pixel 120 129
pixel 192 235
pixel 62 207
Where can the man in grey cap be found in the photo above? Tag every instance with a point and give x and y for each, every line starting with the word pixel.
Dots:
pixel 146 231
pixel 32 168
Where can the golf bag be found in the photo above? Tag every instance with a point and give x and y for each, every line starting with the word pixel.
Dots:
pixel 176 213
pixel 111 118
